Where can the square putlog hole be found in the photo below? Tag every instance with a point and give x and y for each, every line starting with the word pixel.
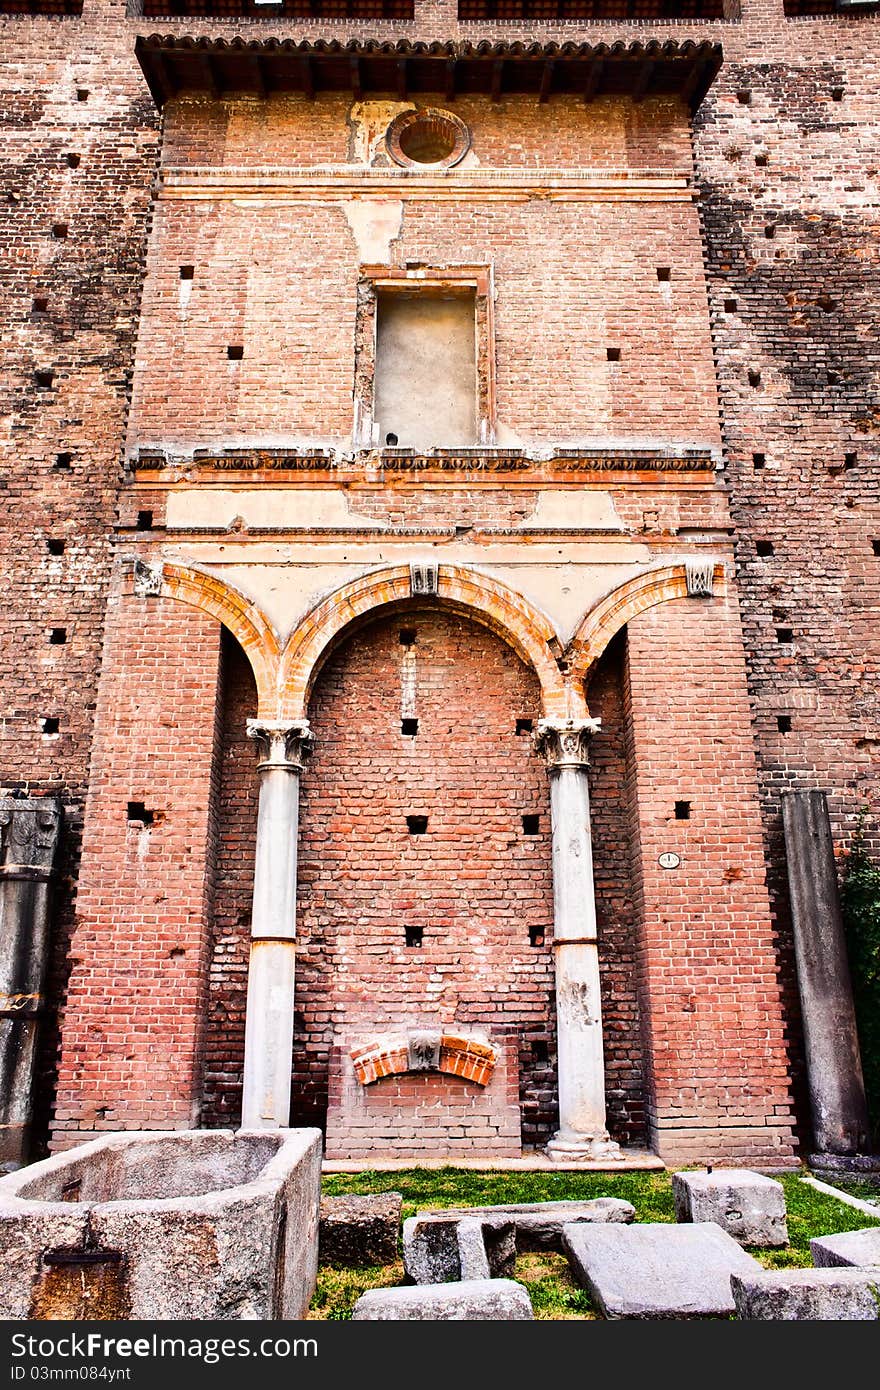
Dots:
pixel 137 812
pixel 409 727
pixel 531 824
pixel 413 936
pixel 417 825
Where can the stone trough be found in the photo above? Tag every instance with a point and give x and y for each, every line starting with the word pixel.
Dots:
pixel 194 1224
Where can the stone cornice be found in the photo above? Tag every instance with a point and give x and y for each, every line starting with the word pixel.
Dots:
pixel 342 182
pixel 373 464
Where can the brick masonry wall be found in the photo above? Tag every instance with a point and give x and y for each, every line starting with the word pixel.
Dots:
pixel 707 964
pixel 133 1023
pixel 345 844
pixel 803 297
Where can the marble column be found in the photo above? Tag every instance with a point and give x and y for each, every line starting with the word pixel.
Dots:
pixel 582 1134
pixel 29 830
pixel 268 1040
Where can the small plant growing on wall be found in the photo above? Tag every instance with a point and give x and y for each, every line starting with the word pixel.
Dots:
pixel 860 900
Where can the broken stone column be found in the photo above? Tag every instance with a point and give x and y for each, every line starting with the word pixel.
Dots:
pixel 837 1089
pixel 582 1133
pixel 29 830
pixel 268 1039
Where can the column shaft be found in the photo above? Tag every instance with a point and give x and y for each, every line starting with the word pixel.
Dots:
pixel 268 1042
pixel 834 1070
pixel 582 1129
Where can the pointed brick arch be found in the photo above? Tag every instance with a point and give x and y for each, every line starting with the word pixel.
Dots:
pixel 619 607
pixel 243 618
pixel 478 596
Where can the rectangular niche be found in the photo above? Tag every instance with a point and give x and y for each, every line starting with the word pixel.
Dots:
pixel 424 376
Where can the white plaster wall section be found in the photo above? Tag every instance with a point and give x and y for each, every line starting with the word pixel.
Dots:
pixel 566 590
pixel 302 508
pixel 286 580
pixel 368 122
pixel 374 225
pixel 569 509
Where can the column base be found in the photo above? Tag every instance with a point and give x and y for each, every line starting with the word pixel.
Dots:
pixel 588 1147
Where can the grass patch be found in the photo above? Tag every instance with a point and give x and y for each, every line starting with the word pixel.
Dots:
pixel 650 1193
pixel 554 1292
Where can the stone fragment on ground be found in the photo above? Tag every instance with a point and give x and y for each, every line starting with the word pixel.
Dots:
pixel 807 1295
pixel 430 1257
pixel 657 1270
pixel 492 1300
pixel 438 1248
pixel 748 1206
pixel 360 1230
pixel 847 1248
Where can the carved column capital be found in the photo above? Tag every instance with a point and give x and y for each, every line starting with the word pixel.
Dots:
pixel 565 742
pixel 29 831
pixel 281 743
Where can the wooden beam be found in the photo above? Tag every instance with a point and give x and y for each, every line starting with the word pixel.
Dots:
pixel 354 72
pixel 497 78
pixel 595 73
pixel 209 72
pixel 449 87
pixel 546 81
pixel 308 77
pixel 402 80
pixel 255 63
pixel 644 77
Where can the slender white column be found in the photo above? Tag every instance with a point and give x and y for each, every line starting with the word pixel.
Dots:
pixel 268 1037
pixel 582 1132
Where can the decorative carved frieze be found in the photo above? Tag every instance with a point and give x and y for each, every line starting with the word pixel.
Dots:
pixel 565 742
pixel 281 743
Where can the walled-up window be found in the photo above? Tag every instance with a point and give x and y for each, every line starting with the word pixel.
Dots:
pixel 41 7
pixel 274 9
pixel 426 369
pixel 598 10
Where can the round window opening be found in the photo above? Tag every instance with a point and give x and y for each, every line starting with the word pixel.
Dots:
pixel 428 138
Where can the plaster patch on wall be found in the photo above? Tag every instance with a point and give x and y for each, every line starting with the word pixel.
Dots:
pixel 369 121
pixel 287 507
pixel 374 225
pixel 568 509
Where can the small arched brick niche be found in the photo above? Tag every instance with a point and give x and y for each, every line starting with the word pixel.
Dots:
pixel 428 139
pixel 424 1049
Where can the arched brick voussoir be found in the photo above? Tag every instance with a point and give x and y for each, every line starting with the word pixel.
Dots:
pixel 472 1059
pixel 243 618
pixel 623 604
pixel 478 596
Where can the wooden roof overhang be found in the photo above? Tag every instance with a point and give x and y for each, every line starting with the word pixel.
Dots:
pixel 175 65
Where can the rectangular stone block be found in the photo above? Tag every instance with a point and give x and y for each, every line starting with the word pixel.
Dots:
pixel 471 1300
pixel 657 1270
pixel 807 1295
pixel 200 1224
pixel 360 1230
pixel 747 1205
pixel 847 1248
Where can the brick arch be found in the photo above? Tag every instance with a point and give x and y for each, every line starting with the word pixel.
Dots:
pixel 619 607
pixel 458 1054
pixel 243 618
pixel 484 600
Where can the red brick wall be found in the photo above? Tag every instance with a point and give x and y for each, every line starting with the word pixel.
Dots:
pixel 133 1021
pixel 425 1115
pixel 462 658
pixel 707 965
pixel 281 281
